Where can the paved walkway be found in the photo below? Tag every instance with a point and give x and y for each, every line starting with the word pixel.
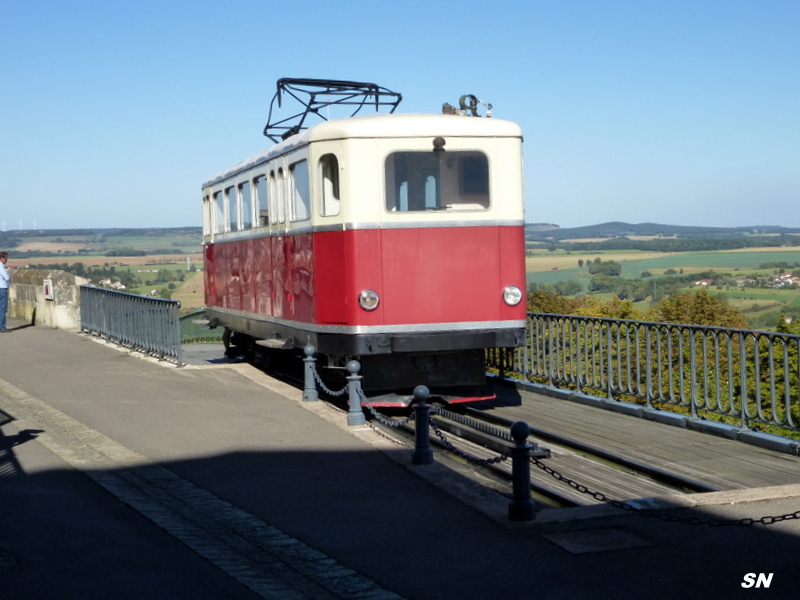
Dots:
pixel 122 477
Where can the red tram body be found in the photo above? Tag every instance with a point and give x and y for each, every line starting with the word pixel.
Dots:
pixel 397 240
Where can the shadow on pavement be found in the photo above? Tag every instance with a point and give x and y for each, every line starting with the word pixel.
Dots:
pixel 64 536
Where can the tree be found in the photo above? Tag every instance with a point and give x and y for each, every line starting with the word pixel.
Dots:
pixel 697 309
pixel 580 263
pixel 547 302
pixel 609 267
pixel 551 303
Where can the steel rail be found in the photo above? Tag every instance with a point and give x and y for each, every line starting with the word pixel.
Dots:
pixel 407 433
pixel 666 477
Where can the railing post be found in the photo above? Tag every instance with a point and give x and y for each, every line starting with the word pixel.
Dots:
pixel 522 507
pixel 355 415
pixel 693 391
pixel 743 376
pixel 310 393
pixel 423 454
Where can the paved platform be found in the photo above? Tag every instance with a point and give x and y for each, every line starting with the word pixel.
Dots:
pixel 122 477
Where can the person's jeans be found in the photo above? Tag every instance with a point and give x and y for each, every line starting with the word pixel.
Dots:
pixel 3 307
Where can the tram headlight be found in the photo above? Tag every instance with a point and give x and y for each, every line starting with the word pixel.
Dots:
pixel 512 295
pixel 369 299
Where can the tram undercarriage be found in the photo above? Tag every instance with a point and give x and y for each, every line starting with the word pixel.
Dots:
pixel 387 379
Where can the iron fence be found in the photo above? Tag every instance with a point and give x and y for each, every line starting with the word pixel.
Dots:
pixel 744 378
pixel 146 324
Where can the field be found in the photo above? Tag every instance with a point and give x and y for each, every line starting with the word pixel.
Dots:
pixel 174 251
pixel 190 294
pixel 102 243
pixel 42 246
pixel 115 261
pixel 552 261
pixel 630 237
pixel 634 262
pixel 762 307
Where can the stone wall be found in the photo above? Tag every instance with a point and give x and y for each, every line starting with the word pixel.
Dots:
pixel 27 301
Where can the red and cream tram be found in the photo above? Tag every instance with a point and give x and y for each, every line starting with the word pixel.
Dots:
pixel 395 239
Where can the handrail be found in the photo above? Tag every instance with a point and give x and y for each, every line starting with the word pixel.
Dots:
pixel 150 325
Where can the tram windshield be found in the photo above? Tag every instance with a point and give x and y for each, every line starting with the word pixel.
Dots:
pixel 437 180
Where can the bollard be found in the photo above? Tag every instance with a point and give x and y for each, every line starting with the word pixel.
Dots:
pixel 355 415
pixel 310 393
pixel 423 454
pixel 522 507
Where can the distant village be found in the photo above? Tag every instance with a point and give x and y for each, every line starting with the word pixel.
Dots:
pixel 784 280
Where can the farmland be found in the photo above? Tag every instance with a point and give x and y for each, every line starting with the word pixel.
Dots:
pixel 191 293
pixel 118 261
pixel 163 262
pixel 761 306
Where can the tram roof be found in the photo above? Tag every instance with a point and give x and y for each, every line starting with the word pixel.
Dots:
pixel 380 126
pixel 413 125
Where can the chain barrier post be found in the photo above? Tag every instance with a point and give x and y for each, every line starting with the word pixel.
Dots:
pixel 423 454
pixel 522 507
pixel 310 393
pixel 355 415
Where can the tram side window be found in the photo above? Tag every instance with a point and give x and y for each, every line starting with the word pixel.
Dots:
pixel 448 181
pixel 206 215
pixel 247 205
pixel 273 197
pixel 329 199
pixel 233 209
pixel 219 213
pixel 279 196
pixel 262 201
pixel 300 194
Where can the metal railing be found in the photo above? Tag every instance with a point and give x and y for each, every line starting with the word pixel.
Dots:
pixel 748 379
pixel 146 324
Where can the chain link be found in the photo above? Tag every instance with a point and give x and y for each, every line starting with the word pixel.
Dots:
pixel 464 455
pixel 325 387
pixel 388 437
pixel 383 419
pixel 646 512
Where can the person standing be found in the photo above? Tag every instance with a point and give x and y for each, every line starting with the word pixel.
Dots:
pixel 4 278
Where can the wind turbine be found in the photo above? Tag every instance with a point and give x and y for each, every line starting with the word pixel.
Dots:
pixel 20 224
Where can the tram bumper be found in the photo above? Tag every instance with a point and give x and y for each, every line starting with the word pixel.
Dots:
pixel 402 343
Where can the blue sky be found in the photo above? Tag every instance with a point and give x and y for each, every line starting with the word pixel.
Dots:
pixel 112 113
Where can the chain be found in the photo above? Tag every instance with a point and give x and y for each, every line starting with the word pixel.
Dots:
pixel 599 496
pixel 388 437
pixel 325 387
pixel 383 419
pixel 464 455
pixel 645 512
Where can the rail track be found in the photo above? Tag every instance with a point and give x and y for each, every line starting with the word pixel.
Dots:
pixel 482 434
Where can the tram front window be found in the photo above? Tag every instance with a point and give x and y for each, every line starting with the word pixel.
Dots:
pixel 448 181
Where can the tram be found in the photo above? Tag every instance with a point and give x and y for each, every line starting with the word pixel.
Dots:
pixel 394 239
